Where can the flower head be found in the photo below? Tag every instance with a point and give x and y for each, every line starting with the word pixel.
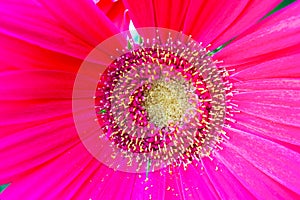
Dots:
pixel 168 109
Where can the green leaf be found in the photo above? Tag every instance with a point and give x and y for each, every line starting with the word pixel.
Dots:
pixel 3 187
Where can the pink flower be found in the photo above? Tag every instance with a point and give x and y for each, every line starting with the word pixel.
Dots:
pixel 45 51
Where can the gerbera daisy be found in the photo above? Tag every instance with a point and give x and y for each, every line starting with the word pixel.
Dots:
pixel 197 100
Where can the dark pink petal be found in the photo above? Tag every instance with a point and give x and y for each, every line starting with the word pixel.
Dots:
pixel 87 23
pixel 274 37
pixel 26 149
pixel 269 107
pixel 171 14
pixel 207 21
pixel 281 67
pixel 142 13
pixel 36 84
pixel 266 168
pixel 30 56
pixel 196 184
pixel 14 112
pixel 227 185
pixel 71 31
pixel 269 84
pixel 46 180
pixel 116 12
pixel 268 129
pixel 215 22
pixel 284 114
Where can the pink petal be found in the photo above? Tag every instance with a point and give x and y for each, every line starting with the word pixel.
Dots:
pixel 268 129
pixel 87 23
pixel 277 113
pixel 196 184
pixel 33 146
pixel 274 97
pixel 269 84
pixel 269 108
pixel 171 14
pixel 216 22
pixel 32 22
pixel 274 37
pixel 141 13
pixel 153 187
pixel 227 185
pixel 281 67
pixel 235 20
pixel 204 20
pixel 31 56
pixel 36 84
pixel 46 180
pixel 116 12
pixel 267 168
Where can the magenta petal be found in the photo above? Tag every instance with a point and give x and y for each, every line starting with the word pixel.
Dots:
pixel 87 23
pixel 277 113
pixel 196 184
pixel 15 112
pixel 215 22
pixel 268 129
pixel 281 67
pixel 30 22
pixel 227 185
pixel 141 13
pixel 47 178
pixel 273 37
pixel 269 84
pixel 268 158
pixel 36 84
pixel 69 30
pixel 31 56
pixel 43 141
pixel 116 12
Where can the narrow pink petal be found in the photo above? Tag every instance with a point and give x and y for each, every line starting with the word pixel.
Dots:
pixel 227 185
pixel 196 184
pixel 116 12
pixel 14 112
pixel 171 13
pixel 281 67
pixel 28 148
pixel 284 114
pixel 65 29
pixel 167 14
pixel 270 107
pixel 277 162
pixel 36 84
pixel 141 13
pixel 275 97
pixel 269 84
pixel 276 36
pixel 31 22
pixel 267 129
pixel 31 56
pixel 238 19
pixel 260 185
pixel 207 19
pixel 92 28
pixel 204 20
pixel 48 178
pixel 148 186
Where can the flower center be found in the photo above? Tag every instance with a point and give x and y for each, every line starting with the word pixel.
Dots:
pixel 159 102
pixel 167 101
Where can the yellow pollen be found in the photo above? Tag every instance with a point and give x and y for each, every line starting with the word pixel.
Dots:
pixel 167 101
